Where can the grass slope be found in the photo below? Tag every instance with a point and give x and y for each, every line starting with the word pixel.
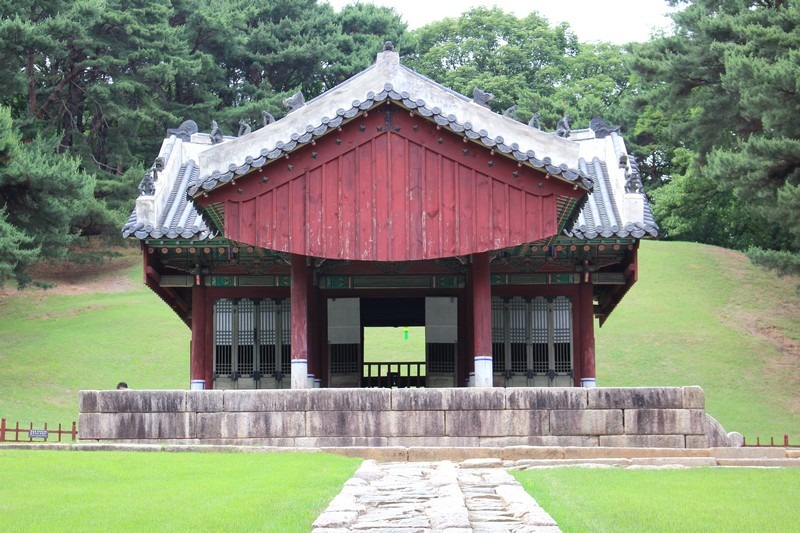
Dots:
pixel 53 345
pixel 699 315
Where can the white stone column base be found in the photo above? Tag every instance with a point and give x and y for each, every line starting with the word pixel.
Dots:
pixel 484 375
pixel 299 373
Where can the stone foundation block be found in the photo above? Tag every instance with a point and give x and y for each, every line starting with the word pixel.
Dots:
pixel 546 398
pixel 466 399
pixel 694 398
pixel 133 401
pixel 450 454
pixel 665 422
pixel 340 442
pixel 250 425
pixel 696 441
pixel 375 423
pixel 635 398
pixel 419 399
pixel 520 453
pixel 541 440
pixel 589 422
pixel 388 453
pixel 678 462
pixel 137 426
pixel 496 423
pixel 265 400
pixel 754 453
pixel 204 401
pixel 350 399
pixel 643 441
pixel 430 442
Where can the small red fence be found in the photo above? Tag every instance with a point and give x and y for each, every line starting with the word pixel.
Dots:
pixel 29 434
pixel 784 444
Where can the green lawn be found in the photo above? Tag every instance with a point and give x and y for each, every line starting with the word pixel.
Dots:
pixel 138 491
pixel 699 499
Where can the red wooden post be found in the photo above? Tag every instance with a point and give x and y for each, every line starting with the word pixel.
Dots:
pixel 586 335
pixel 299 304
pixel 74 430
pixel 480 283
pixel 2 430
pixel 199 346
pixel 785 440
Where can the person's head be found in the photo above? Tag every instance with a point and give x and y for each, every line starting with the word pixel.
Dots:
pixel 122 385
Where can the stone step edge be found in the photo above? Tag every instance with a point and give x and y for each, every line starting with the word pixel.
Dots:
pixel 565 455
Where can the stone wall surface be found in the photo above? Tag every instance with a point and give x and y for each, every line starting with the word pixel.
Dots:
pixel 663 417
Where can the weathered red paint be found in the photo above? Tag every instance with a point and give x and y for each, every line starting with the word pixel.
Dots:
pixel 481 289
pixel 299 305
pixel 584 327
pixel 200 315
pixel 393 190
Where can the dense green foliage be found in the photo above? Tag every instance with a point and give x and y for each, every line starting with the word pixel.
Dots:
pixel 130 491
pixel 709 110
pixel 91 88
pixel 726 90
pixel 697 499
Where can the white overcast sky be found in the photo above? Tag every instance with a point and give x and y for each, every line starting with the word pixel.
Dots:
pixel 617 21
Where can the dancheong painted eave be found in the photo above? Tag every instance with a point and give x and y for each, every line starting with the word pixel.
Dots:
pixel 386 80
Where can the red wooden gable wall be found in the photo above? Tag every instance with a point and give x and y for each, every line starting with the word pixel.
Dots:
pixel 391 186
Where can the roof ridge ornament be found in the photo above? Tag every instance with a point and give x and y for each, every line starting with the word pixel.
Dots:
pixel 267 117
pixel 601 128
pixel 482 98
pixel 562 128
pixel 185 131
pixel 388 46
pixel 511 111
pixel 535 121
pixel 216 133
pixel 295 102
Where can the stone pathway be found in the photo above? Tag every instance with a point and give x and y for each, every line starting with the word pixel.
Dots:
pixel 439 496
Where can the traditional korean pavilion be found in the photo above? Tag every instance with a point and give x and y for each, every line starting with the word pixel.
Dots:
pixel 391 200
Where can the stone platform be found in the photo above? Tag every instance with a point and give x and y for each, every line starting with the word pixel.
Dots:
pixel 456 418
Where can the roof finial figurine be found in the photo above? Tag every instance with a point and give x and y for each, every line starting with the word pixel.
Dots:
pixel 511 111
pixel 267 117
pixel 184 131
pixel 147 186
pixel 535 121
pixel 562 128
pixel 482 98
pixel 601 128
pixel 244 128
pixel 388 46
pixel 295 102
pixel 216 133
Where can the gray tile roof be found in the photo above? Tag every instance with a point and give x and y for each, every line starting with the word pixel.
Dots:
pixel 180 219
pixel 323 125
pixel 600 216
pixel 198 166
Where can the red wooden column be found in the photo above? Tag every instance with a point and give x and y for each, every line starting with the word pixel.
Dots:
pixel 586 334
pixel 315 363
pixel 481 288
pixel 299 303
pixel 200 347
